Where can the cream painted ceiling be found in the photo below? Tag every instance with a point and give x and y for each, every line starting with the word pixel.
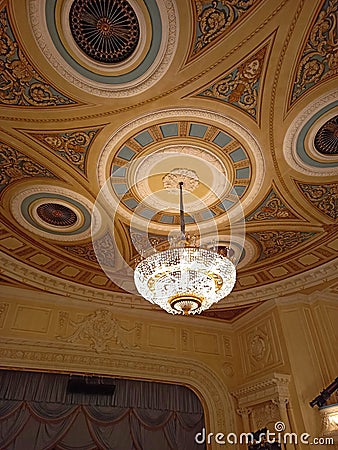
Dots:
pixel 102 99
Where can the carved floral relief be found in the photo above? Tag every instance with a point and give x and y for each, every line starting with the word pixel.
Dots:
pixel 72 146
pixel 319 60
pixel 20 83
pixel 241 86
pixel 14 166
pixel 102 329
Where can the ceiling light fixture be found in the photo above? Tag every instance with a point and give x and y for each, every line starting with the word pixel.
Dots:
pixel 185 279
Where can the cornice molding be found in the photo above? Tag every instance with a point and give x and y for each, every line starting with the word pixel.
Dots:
pixel 273 387
pixel 34 277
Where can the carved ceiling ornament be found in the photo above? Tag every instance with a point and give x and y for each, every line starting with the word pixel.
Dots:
pixel 248 141
pixel 24 207
pixel 104 82
pixel 319 58
pixel 101 328
pixel 107 31
pixel 72 146
pixel 21 82
pixel 215 19
pixel 276 242
pixel 188 177
pixel 241 86
pixel 326 139
pixel 272 208
pixel 324 197
pixel 85 251
pixel 34 277
pixel 15 166
pixel 298 145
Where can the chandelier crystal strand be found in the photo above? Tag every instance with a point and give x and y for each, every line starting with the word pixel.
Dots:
pixel 185 279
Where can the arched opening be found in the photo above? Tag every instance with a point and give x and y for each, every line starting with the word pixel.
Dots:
pixel 65 412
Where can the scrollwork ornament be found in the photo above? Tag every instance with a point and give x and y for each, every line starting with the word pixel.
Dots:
pixel 257 347
pixel 276 242
pixel 319 59
pixel 272 208
pixel 100 328
pixel 215 17
pixel 16 166
pixel 241 86
pixel 20 82
pixel 228 370
pixel 71 146
pixel 324 197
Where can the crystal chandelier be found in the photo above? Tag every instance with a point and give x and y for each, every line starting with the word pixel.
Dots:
pixel 185 279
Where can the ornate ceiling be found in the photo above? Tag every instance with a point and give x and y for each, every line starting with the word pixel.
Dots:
pixel 103 102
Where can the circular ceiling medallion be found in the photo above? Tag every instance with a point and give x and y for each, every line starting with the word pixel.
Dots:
pixel 108 48
pixel 326 139
pixel 187 177
pixel 311 142
pixel 105 30
pixel 56 214
pixel 225 157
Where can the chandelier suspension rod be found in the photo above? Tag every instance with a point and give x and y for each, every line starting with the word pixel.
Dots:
pixel 181 209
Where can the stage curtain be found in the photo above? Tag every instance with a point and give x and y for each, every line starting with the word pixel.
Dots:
pixel 142 416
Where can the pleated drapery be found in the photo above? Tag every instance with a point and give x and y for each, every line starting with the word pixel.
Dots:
pixel 37 413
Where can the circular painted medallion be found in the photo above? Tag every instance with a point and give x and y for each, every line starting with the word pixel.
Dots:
pixel 326 139
pixel 105 30
pixel 56 214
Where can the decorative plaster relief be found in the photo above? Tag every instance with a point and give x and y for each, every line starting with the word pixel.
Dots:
pixel 21 272
pixel 261 349
pixel 240 87
pixel 319 58
pixel 195 374
pixel 215 19
pixel 272 208
pixel 323 197
pixel 273 386
pixel 72 146
pixel 15 166
pixel 227 346
pixel 109 85
pixel 3 313
pixel 264 414
pixel 185 340
pixel 100 328
pixel 21 83
pixel 228 370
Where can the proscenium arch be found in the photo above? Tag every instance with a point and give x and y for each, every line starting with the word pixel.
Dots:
pixel 219 412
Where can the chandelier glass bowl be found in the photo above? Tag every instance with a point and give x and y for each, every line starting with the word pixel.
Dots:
pixel 185 280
